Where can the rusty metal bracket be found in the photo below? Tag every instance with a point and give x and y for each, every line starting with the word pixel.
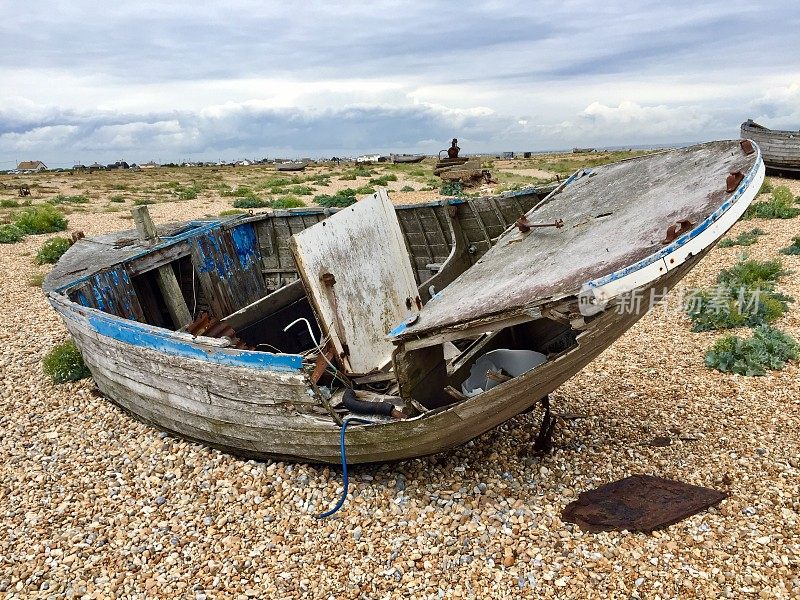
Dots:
pixel 733 180
pixel 525 226
pixel 677 229
pixel 747 147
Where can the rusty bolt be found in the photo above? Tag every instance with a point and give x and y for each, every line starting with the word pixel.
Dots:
pixel 328 279
pixel 747 147
pixel 733 180
pixel 523 224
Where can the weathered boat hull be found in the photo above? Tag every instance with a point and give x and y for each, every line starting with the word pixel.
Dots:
pixel 292 166
pixel 265 405
pixel 780 149
pixel 407 158
pixel 267 413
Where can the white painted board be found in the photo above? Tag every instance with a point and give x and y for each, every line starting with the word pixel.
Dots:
pixel 363 247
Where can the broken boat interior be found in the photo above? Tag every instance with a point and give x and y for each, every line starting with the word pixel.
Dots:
pixel 299 282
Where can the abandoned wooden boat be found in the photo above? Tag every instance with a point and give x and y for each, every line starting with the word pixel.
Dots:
pixel 407 158
pixel 260 334
pixel 291 166
pixel 780 149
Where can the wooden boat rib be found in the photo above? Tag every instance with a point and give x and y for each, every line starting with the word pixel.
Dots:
pixel 262 273
pixel 780 149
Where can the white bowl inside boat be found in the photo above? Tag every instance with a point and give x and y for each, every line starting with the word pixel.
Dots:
pixel 511 362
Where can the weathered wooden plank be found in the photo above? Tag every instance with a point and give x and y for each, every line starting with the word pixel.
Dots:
pixel 265 306
pixel 360 290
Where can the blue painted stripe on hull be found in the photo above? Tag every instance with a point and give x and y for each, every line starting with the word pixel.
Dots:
pixel 145 336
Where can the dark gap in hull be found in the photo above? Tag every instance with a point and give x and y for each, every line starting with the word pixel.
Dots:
pixel 152 300
pixel 547 336
pixel 267 333
pixel 191 289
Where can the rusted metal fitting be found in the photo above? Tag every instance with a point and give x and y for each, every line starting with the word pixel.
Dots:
pixel 733 180
pixel 747 147
pixel 525 226
pixel 328 279
pixel 677 229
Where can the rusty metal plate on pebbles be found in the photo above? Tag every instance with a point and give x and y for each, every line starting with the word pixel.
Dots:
pixel 638 503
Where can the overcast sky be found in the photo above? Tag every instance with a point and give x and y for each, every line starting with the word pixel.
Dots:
pixel 85 81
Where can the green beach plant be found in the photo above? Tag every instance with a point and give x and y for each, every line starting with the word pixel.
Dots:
pixel 766 349
pixel 64 363
pixel 52 250
pixel 40 219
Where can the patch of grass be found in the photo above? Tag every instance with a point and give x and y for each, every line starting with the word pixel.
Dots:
pixel 64 363
pixel 301 190
pixel 451 188
pixel 143 201
pixel 765 188
pixel 62 199
pixel 340 199
pixel 779 206
pixel 52 250
pixel 117 198
pixel 231 212
pixel 365 190
pixel 357 172
pixel 10 234
pixel 744 296
pixel 319 179
pixel 566 164
pixel 250 202
pixel 753 273
pixel 287 202
pixel 6 203
pixel 36 280
pixel 383 180
pixel 119 186
pixel 746 238
pixel 243 192
pixel 793 248
pixel 40 219
pixel 188 194
pixel 406 188
pixel 767 348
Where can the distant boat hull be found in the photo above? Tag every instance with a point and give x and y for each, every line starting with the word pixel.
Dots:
pixel 291 166
pixel 780 149
pixel 407 158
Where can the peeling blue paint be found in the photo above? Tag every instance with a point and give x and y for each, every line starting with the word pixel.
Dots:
pixel 165 342
pixel 245 243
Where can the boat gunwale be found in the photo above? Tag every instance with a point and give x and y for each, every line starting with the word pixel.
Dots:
pixel 200 227
pixel 175 343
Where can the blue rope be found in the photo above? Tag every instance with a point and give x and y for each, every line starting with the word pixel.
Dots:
pixel 345 482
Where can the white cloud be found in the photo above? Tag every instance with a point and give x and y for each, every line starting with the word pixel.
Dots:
pixel 186 79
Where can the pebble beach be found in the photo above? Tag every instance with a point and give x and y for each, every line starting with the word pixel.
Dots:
pixel 94 504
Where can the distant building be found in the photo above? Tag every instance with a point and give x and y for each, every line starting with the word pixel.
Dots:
pixel 31 166
pixel 148 165
pixel 96 166
pixel 120 164
pixel 79 167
